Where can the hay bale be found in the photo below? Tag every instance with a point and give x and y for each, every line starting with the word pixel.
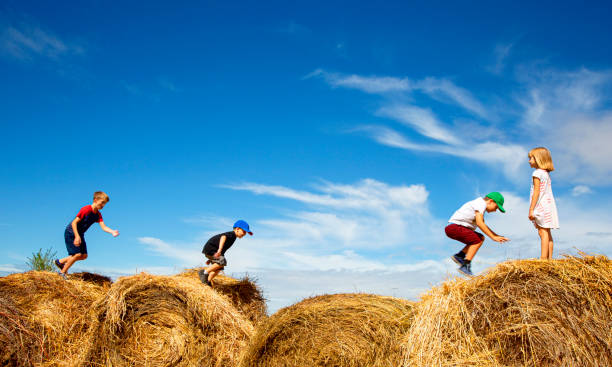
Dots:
pixel 520 313
pixel 244 294
pixel 147 320
pixel 20 343
pixel 44 318
pixel 332 330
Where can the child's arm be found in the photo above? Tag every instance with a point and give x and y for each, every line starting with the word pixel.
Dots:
pixel 221 243
pixel 534 197
pixel 77 238
pixel 481 224
pixel 115 233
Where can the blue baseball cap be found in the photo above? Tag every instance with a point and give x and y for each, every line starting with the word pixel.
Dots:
pixel 243 225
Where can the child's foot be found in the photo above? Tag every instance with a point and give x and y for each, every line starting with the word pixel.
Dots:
pixel 58 264
pixel 62 275
pixel 466 269
pixel 208 262
pixel 459 260
pixel 203 277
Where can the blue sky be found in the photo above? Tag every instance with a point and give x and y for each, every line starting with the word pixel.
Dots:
pixel 345 133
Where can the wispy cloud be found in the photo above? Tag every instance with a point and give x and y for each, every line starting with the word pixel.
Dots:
pixel 421 119
pixel 500 54
pixel 581 190
pixel 569 112
pixel 437 88
pixel 27 42
pixel 509 158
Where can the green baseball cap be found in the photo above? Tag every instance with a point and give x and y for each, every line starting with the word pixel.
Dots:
pixel 498 199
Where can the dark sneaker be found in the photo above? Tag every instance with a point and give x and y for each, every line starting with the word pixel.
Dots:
pixel 58 264
pixel 466 269
pixel 62 275
pixel 203 277
pixel 459 260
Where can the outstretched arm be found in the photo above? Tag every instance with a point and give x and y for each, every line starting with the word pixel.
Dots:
pixel 481 224
pixel 534 197
pixel 105 228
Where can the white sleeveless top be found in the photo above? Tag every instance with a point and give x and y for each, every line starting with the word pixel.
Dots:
pixel 545 210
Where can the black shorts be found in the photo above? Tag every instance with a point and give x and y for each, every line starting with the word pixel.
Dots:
pixel 72 249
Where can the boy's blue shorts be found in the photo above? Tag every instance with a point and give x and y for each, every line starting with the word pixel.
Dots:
pixel 72 249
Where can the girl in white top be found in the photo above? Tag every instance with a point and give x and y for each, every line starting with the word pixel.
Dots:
pixel 542 210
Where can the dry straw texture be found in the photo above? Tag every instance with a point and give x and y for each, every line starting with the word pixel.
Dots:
pixel 44 319
pixel 147 320
pixel 244 294
pixel 521 313
pixel 339 330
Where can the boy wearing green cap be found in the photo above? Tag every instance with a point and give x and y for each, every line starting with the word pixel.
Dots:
pixel 462 227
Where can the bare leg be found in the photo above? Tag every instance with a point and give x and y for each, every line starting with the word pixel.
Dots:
pixel 471 250
pixel 71 260
pixel 545 243
pixel 213 270
pixel 550 244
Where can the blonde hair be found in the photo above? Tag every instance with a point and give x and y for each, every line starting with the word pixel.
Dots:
pixel 101 195
pixel 542 158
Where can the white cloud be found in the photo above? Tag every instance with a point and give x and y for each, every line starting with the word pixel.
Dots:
pixel 501 53
pixel 26 42
pixel 568 113
pixel 581 190
pixel 421 119
pixel 508 158
pixel 187 254
pixel 437 88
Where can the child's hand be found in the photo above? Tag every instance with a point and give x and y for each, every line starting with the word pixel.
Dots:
pixel 115 233
pixel 77 241
pixel 500 239
pixel 531 216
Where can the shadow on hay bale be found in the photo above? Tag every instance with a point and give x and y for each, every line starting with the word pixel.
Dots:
pixel 147 320
pixel 520 313
pixel 43 318
pixel 98 279
pixel 244 294
pixel 332 330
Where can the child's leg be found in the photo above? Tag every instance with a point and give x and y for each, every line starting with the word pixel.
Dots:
pixel 550 244
pixel 213 270
pixel 544 242
pixel 471 250
pixel 71 260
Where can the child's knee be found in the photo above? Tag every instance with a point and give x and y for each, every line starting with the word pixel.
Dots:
pixel 83 256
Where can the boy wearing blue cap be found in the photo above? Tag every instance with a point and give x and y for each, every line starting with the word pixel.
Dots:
pixel 215 249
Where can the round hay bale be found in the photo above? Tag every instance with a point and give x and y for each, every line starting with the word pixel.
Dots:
pixel 339 330
pixel 520 313
pixel 147 320
pixel 244 294
pixel 44 318
pixel 20 343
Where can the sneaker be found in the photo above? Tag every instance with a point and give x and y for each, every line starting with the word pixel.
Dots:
pixel 466 269
pixel 62 275
pixel 58 264
pixel 459 260
pixel 203 277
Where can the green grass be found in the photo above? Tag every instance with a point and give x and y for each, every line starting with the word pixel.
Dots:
pixel 42 260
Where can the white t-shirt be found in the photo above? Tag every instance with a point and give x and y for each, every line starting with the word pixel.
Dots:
pixel 545 210
pixel 466 215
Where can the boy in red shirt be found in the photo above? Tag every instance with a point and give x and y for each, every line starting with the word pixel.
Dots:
pixel 74 235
